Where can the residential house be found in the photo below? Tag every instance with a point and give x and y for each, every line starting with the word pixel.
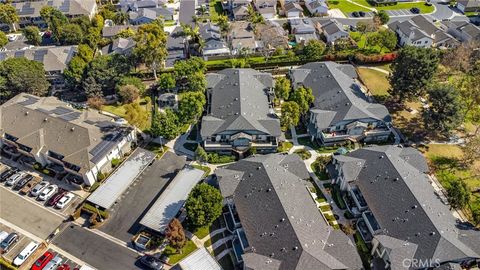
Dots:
pixel 240 112
pixel 468 5
pixel 240 13
pixel 267 8
pixel 187 12
pixel 112 31
pixel 175 47
pixel 123 46
pixel 401 214
pixel 303 29
pixel 29 11
pixel 55 60
pixel 213 42
pixel 332 30
pixel 292 10
pixel 462 30
pixel 78 144
pixel 272 35
pixel 274 219
pixel 241 37
pixel 148 15
pixel 341 111
pixel 317 7
pixel 136 5
pixel 420 31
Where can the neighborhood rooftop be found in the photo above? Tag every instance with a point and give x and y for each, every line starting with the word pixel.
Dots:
pixel 239 101
pixel 337 94
pixel 68 7
pixel 282 223
pixel 48 124
pixel 412 219
pixel 52 58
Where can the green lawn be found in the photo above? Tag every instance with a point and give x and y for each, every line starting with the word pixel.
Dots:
pixel 446 162
pixel 284 146
pixel 156 148
pixel 215 9
pixel 174 257
pixel 119 110
pixel 304 154
pixel 420 5
pixel 169 23
pixel 345 6
pixel 206 169
pixel 375 81
pixel 361 41
pixel 202 232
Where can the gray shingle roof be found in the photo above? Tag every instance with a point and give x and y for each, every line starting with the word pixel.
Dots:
pixel 239 102
pixel 111 31
pixel 280 219
pixel 120 46
pixel 469 3
pixel 337 95
pixel 46 123
pixel 398 192
pixel 52 58
pixel 331 26
pixel 67 7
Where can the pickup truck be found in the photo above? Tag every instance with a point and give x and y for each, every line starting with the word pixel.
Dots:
pixel 26 189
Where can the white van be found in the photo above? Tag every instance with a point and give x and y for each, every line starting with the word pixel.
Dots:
pixel 26 252
pixel 53 263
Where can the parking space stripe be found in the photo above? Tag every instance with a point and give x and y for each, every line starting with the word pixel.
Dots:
pixel 20 230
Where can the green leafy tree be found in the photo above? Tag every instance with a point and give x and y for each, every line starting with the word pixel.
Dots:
pixel 166 81
pixel 55 20
pixel 136 115
pixel 444 112
pixel 71 34
pixel 82 21
pixel 314 50
pixel 151 45
pixel 412 70
pixel 385 39
pixel 458 194
pixel 130 80
pixel 85 52
pixel 107 11
pixel 364 28
pixel 32 34
pixel 106 71
pixel 222 21
pixel 92 37
pixel 200 154
pixel 476 216
pixel 21 75
pixel 176 235
pixel 282 88
pixel 203 205
pixel 8 15
pixel 3 39
pixel 125 33
pixel 469 92
pixel 381 17
pixel 128 93
pixel 91 87
pixel 73 74
pixel 303 97
pixel 471 151
pixel 190 106
pixel 185 68
pixel 290 115
pixel 165 124
pixel 253 16
pixel 121 17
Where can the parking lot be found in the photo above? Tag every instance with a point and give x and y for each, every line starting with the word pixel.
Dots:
pixel 123 222
pixel 399 12
pixel 16 247
pixel 66 211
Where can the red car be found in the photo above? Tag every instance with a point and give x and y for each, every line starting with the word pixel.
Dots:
pixel 56 197
pixel 42 261
pixel 64 267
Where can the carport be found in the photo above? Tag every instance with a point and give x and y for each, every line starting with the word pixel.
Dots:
pixel 172 199
pixel 109 192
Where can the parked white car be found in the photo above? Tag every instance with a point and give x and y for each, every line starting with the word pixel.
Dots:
pixel 39 188
pixel 14 179
pixel 66 199
pixel 26 252
pixel 48 192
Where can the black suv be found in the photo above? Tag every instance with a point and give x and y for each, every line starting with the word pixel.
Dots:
pixel 20 184
pixel 7 173
pixel 415 10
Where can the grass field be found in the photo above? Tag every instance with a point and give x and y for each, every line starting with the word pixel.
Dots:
pixel 445 160
pixel 345 6
pixel 375 81
pixel 349 7
pixel 361 41
pixel 120 110
pixel 174 257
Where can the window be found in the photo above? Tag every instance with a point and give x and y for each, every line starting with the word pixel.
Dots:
pixel 24 148
pixel 71 166
pixel 55 155
pixel 10 137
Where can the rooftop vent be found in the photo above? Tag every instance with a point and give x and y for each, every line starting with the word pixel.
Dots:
pixel 295 248
pixel 45 120
pixel 282 220
pixel 72 128
pixel 26 113
pixel 269 189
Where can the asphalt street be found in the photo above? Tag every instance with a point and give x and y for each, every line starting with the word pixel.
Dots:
pixel 95 250
pixel 124 219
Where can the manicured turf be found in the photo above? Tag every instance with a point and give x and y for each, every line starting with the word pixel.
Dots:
pixel 345 6
pixel 174 257
pixel 375 81
pixel 420 5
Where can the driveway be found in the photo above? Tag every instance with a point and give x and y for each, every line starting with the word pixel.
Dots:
pixel 123 222
pixel 95 250
pixel 28 215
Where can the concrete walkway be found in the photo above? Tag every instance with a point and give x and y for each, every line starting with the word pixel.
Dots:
pixel 377 69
